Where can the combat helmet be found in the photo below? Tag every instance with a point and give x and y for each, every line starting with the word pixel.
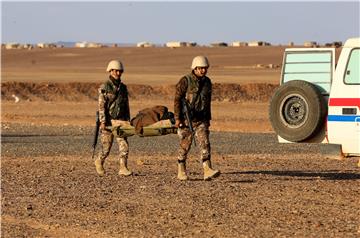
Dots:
pixel 115 64
pixel 200 61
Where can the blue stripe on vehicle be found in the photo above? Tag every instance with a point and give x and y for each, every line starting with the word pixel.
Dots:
pixel 344 118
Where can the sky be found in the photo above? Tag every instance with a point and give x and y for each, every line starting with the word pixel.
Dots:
pixel 203 22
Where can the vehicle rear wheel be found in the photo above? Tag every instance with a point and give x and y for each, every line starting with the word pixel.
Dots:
pixel 297 110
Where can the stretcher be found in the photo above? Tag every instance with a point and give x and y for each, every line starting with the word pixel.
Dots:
pixel 160 128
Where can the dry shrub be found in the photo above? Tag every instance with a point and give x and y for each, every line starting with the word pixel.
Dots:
pixel 258 92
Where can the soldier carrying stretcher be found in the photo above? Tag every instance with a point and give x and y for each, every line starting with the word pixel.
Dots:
pixel 193 93
pixel 113 105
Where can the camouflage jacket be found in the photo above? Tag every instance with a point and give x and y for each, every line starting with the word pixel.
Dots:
pixel 113 101
pixel 197 91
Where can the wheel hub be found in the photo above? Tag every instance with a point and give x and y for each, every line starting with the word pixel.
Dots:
pixel 294 111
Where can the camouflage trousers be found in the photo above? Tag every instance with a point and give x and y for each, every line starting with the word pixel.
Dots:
pixel 202 134
pixel 107 138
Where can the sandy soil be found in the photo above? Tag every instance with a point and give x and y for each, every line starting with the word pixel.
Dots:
pixel 155 66
pixel 49 187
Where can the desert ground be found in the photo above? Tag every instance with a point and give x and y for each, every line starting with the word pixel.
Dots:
pixel 49 187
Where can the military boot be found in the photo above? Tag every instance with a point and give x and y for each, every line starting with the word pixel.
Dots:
pixel 123 168
pixel 99 166
pixel 209 173
pixel 182 170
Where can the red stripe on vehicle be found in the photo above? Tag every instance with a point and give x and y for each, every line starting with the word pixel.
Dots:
pixel 345 102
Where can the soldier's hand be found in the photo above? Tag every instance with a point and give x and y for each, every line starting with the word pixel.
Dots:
pixel 102 126
pixel 178 124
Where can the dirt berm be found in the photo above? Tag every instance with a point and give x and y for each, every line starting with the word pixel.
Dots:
pixel 259 92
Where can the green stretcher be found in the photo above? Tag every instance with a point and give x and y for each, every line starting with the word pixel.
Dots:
pixel 160 128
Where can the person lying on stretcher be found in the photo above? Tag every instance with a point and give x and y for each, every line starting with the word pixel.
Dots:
pixel 154 121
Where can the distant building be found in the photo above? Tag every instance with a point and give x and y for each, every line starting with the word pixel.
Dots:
pixel 258 43
pixel 239 44
pixel 46 45
pixel 191 44
pixel 40 45
pixel 85 44
pixel 310 44
pixel 80 44
pixel 336 44
pixel 219 44
pixel 17 46
pixel 176 44
pixel 144 44
pixel 28 46
pixel 12 46
pixel 95 45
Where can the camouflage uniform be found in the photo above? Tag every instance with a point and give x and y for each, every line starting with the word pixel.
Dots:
pixel 113 105
pixel 197 91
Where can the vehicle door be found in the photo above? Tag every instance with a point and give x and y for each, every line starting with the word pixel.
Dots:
pixel 344 106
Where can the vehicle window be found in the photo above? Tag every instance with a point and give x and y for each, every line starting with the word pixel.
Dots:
pixel 315 67
pixel 352 73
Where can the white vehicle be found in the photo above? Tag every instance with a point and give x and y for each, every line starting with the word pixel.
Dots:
pixel 316 103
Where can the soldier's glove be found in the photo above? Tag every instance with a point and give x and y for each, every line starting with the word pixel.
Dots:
pixel 179 124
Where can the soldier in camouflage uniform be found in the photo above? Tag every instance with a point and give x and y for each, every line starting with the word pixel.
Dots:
pixel 113 105
pixel 195 88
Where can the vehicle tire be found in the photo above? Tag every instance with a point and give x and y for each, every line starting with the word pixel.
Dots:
pixel 297 110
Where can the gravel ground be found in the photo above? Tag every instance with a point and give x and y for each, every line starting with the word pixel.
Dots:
pixel 77 141
pixel 50 189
